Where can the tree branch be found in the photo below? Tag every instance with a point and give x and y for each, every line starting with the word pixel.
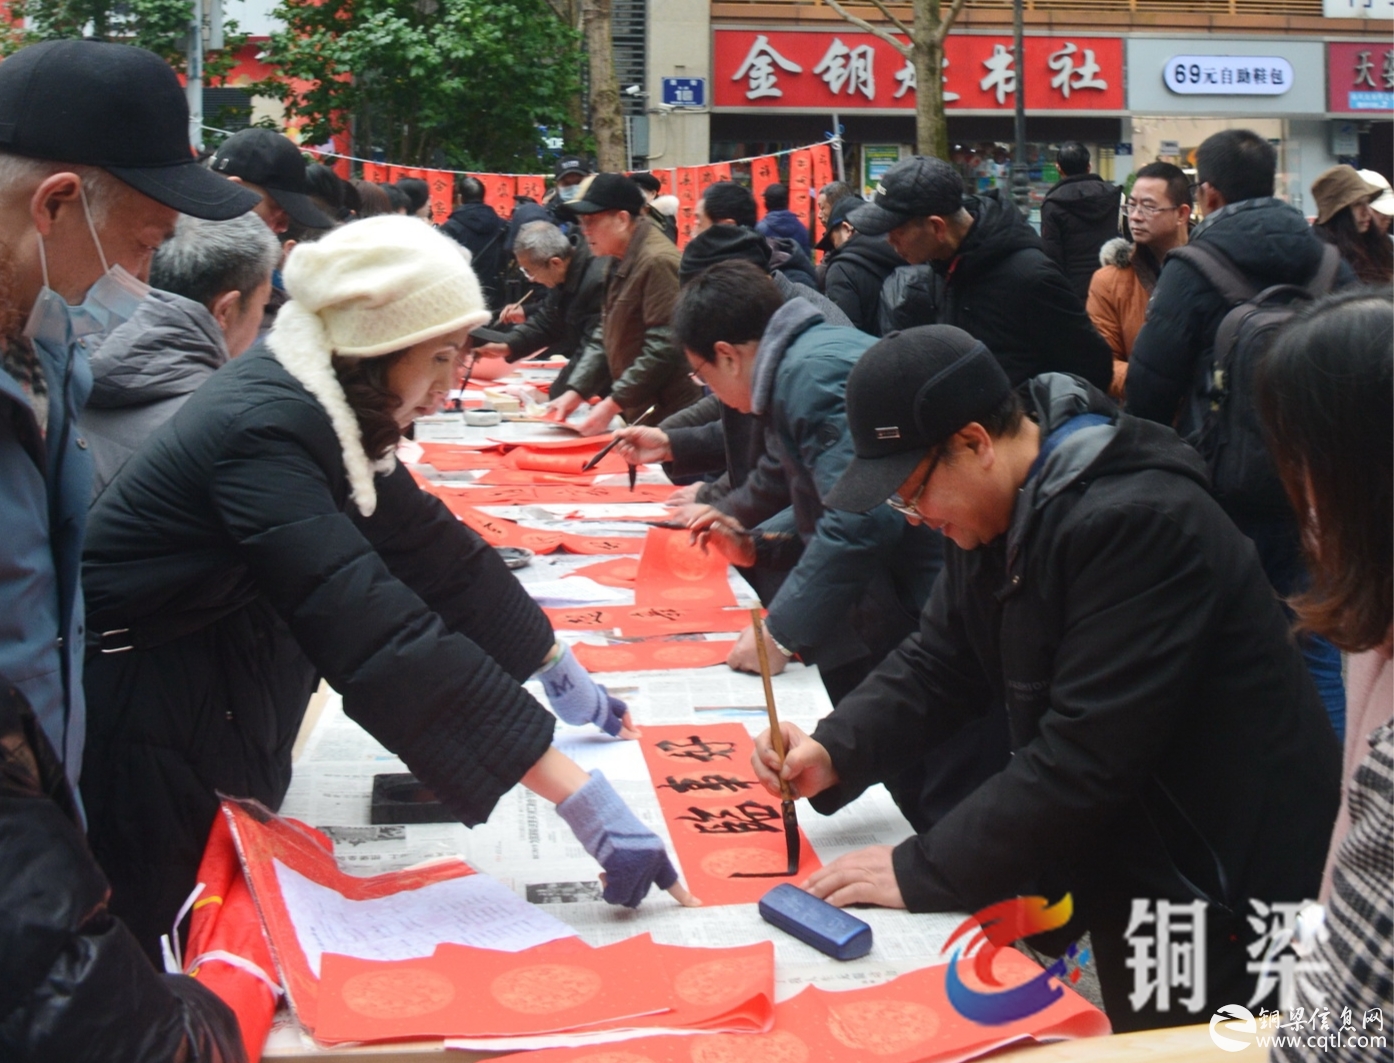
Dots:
pixel 861 23
pixel 947 23
pixel 891 18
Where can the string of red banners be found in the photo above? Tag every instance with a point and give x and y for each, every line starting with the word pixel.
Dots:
pixel 809 169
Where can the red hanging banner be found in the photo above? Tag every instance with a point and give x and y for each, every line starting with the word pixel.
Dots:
pixel 442 194
pixel 688 193
pixel 822 175
pixel 534 186
pixel 764 172
pixel 800 178
pixel 375 172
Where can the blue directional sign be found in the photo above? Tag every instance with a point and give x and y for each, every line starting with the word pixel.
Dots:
pixel 685 92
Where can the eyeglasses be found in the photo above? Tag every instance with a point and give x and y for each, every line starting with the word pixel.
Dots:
pixel 1151 210
pixel 911 508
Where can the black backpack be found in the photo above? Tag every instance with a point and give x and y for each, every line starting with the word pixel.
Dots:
pixel 1230 438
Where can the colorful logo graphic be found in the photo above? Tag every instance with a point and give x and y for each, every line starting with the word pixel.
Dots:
pixel 1229 1020
pixel 998 926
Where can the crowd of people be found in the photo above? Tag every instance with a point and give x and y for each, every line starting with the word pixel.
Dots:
pixel 1088 531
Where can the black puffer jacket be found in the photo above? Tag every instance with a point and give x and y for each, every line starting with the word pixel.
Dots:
pixel 1271 243
pixel 1002 289
pixel 787 257
pixel 570 314
pixel 478 227
pixel 853 276
pixel 1127 628
pixel 1078 216
pixel 74 985
pixel 230 549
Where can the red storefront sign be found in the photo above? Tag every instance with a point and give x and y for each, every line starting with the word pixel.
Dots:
pixel 841 71
pixel 1360 77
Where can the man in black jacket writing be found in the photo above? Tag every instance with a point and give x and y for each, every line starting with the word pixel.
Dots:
pixel 1163 728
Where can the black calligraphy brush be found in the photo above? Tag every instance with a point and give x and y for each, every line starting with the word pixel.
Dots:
pixel 791 823
pixel 595 458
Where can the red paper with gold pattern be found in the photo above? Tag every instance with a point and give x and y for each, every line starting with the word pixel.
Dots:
pixel 907 1020
pixel 261 837
pixel 460 991
pixel 652 655
pixel 621 572
pixel 723 823
pixel 674 571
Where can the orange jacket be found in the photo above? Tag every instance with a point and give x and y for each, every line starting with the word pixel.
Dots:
pixel 1117 305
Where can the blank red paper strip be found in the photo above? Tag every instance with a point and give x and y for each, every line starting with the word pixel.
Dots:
pixel 561 493
pixel 508 477
pixel 723 823
pixel 672 571
pixel 652 655
pixel 565 462
pixel 621 572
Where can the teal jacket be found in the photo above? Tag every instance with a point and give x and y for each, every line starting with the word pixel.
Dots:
pixel 45 486
pixel 799 390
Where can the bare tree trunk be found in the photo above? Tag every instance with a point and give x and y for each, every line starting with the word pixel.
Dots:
pixel 607 121
pixel 931 128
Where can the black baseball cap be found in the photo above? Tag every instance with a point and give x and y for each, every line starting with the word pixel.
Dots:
pixel 907 394
pixel 569 164
pixel 117 107
pixel 266 158
pixel 841 212
pixel 610 191
pixel 916 187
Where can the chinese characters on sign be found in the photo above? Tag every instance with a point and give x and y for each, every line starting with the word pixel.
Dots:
pixel 1228 75
pixel 857 70
pixel 1360 77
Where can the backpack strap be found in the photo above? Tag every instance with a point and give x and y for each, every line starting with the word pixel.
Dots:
pixel 1325 275
pixel 1217 268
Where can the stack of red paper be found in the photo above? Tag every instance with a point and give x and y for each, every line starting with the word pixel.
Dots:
pixel 545 995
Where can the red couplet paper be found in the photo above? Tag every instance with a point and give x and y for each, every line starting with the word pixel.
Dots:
pixel 726 827
pixel 447 457
pixel 642 621
pixel 498 531
pixel 564 462
pixel 442 186
pixel 532 185
pixel 800 178
pixel 261 838
pixel 375 172
pixel 567 493
pixel 600 544
pixel 764 172
pixel 224 923
pixel 718 989
pixel 908 1020
pixel 688 193
pixel 502 476
pixel 652 655
pixel 673 571
pixel 464 992
pixel 591 443
pixel 620 573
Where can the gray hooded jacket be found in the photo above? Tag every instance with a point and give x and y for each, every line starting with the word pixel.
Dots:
pixel 143 372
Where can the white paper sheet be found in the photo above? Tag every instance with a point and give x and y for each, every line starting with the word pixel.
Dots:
pixel 474 910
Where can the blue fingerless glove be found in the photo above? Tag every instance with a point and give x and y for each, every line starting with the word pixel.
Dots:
pixel 632 855
pixel 577 698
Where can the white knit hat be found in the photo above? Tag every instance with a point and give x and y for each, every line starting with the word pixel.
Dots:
pixel 1384 202
pixel 370 288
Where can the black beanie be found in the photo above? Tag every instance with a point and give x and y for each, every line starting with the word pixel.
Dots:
pixel 721 243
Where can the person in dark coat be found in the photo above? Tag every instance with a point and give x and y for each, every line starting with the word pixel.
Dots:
pixel 265 537
pixel 477 227
pixel 570 315
pixel 1078 216
pixel 999 286
pixel 779 220
pixel 1099 603
pixel 1169 374
pixel 855 267
pixel 727 203
pixel 211 280
pixel 74 984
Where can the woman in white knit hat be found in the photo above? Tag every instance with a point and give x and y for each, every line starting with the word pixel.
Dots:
pixel 266 537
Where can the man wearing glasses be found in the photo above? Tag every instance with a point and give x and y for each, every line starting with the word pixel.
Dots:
pixel 1159 217
pixel 1097 601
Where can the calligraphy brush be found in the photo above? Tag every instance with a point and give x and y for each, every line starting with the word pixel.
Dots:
pixel 594 459
pixel 791 823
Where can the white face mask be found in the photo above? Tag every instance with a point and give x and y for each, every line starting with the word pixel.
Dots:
pixel 110 302
pixel 566 193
